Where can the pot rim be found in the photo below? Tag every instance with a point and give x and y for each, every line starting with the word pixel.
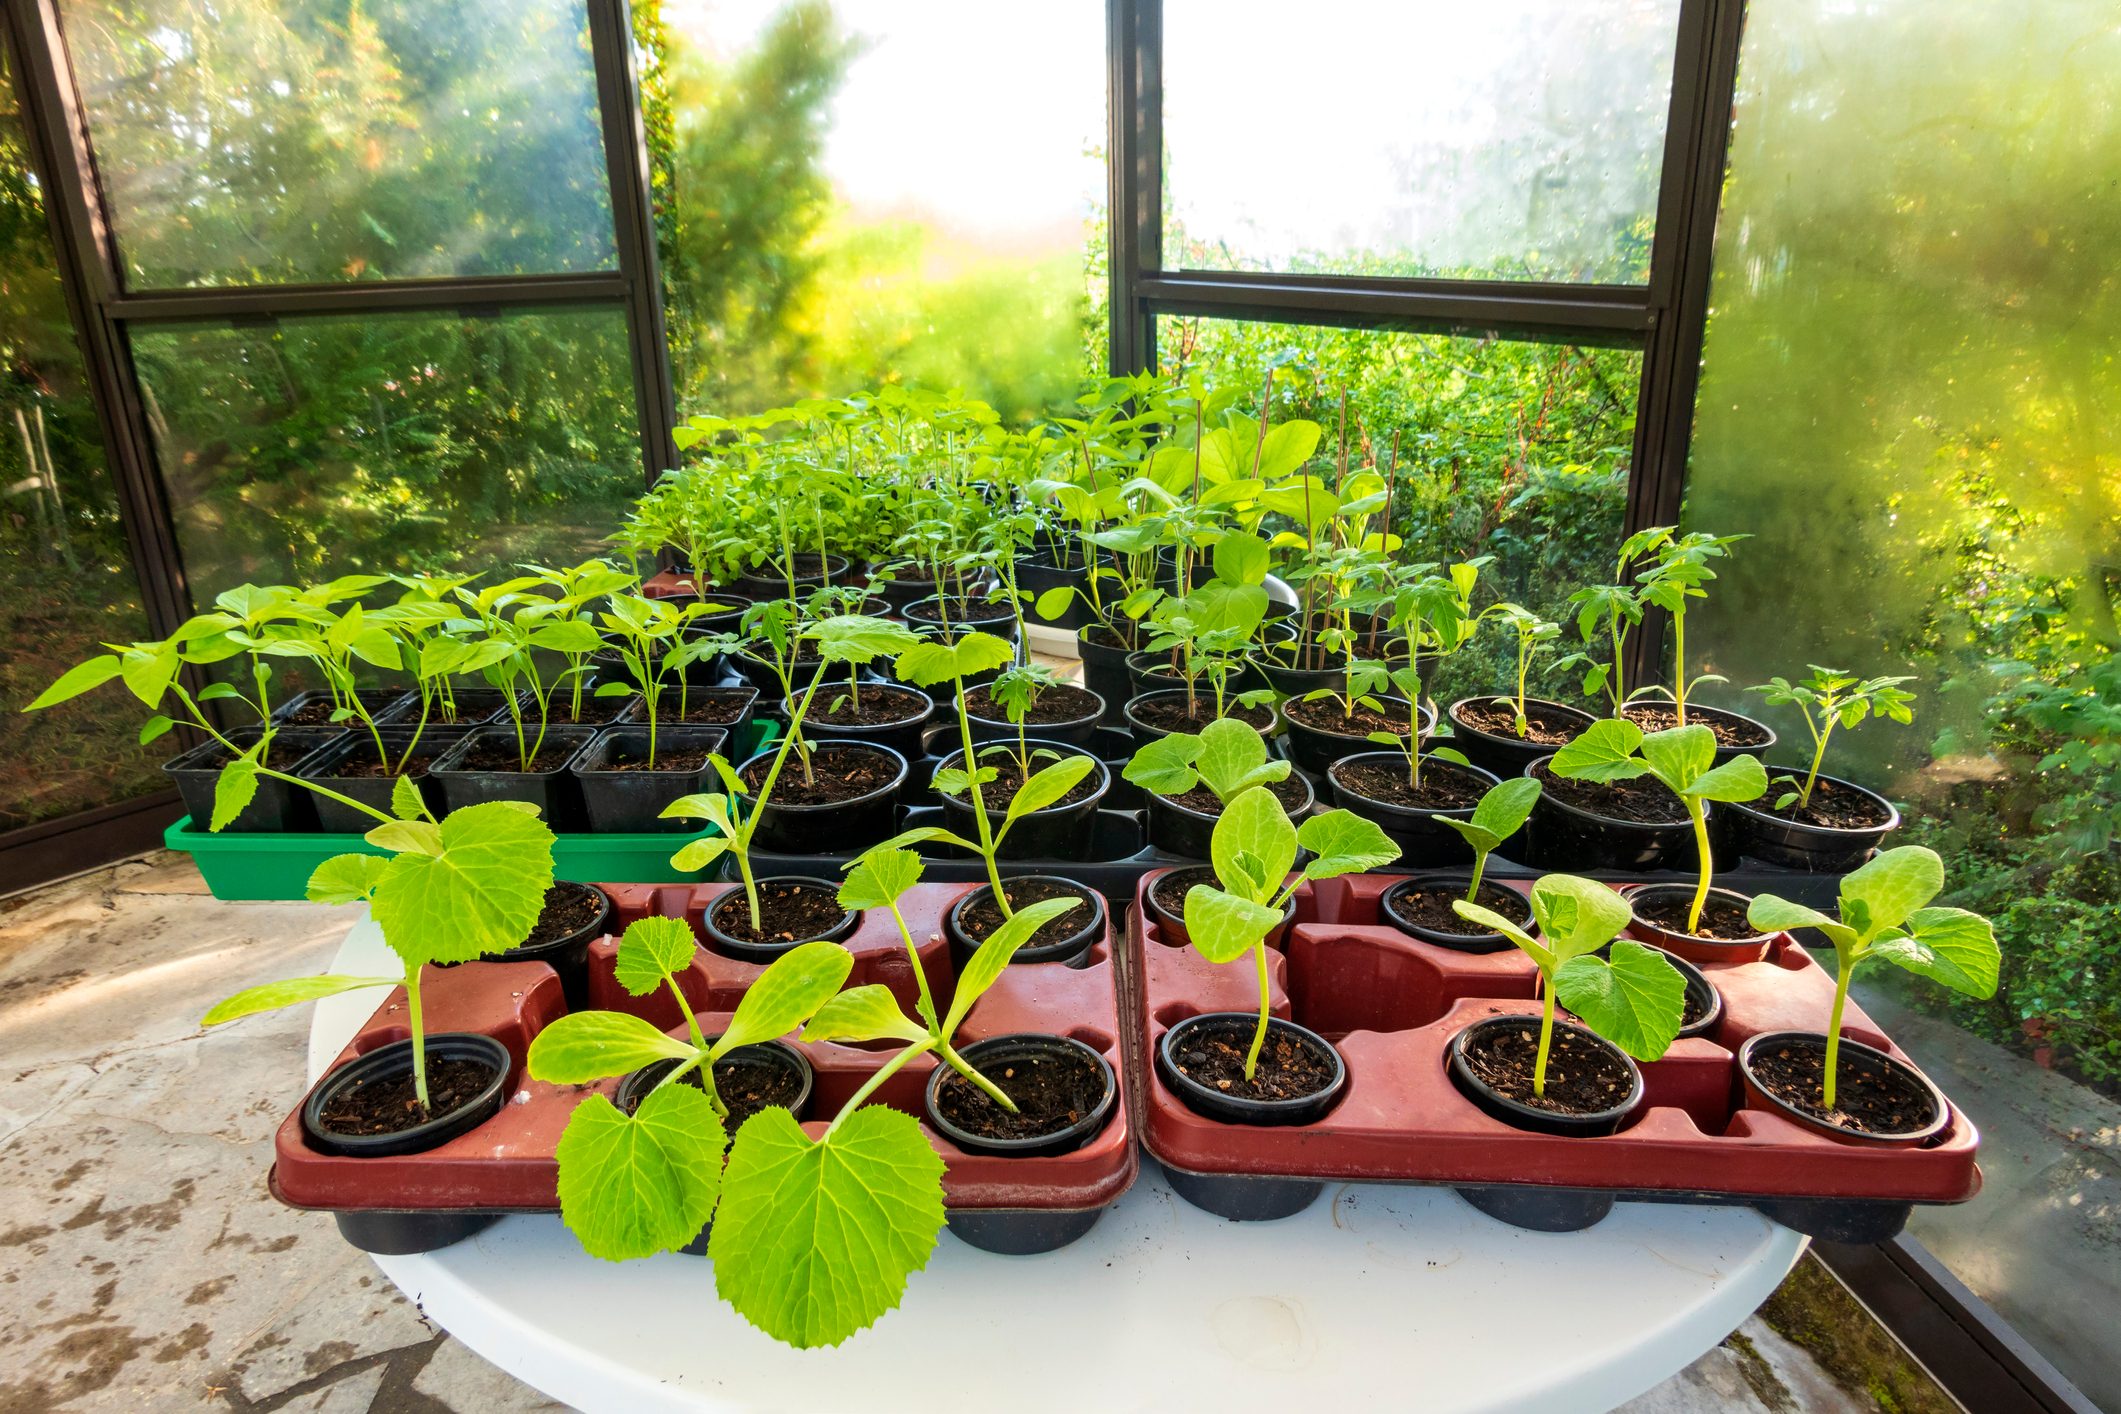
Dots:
pixel 1456 882
pixel 446 764
pixel 799 1063
pixel 1459 726
pixel 1548 798
pixel 1460 1039
pixel 1093 715
pixel 590 761
pixel 1848 832
pixel 1464 811
pixel 1075 943
pixel 819 748
pixel 1102 773
pixel 388 1059
pixel 1167 803
pixel 1668 888
pixel 1064 1140
pixel 1006 615
pixel 1936 1126
pixel 850 918
pixel 787 708
pixel 1424 713
pixel 1752 750
pixel 1127 712
pixel 1183 1085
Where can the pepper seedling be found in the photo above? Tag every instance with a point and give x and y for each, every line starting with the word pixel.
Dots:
pixel 1831 698
pixel 1500 814
pixel 1679 567
pixel 1636 1000
pixel 1228 756
pixel 1612 611
pixel 1684 758
pixel 1253 849
pixel 1885 915
pixel 450 891
pixel 633 1185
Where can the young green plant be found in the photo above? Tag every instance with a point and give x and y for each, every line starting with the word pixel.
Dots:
pixel 1831 698
pixel 1228 756
pixel 1500 814
pixel 1676 574
pixel 1534 634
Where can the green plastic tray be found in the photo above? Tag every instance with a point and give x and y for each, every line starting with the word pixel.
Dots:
pixel 271 866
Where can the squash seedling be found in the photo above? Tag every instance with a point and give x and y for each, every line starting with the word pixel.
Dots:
pixel 1636 1000
pixel 1253 849
pixel 1500 814
pixel 1831 698
pixel 1885 914
pixel 1228 756
pixel 1684 759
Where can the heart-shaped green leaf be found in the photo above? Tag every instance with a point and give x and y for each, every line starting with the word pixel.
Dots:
pixel 1678 756
pixel 634 1186
pixel 1636 1001
pixel 406 802
pixel 1223 927
pixel 347 878
pixel 1947 945
pixel 1165 766
pixel 1740 778
pixel 650 950
pixel 1577 915
pixel 1885 892
pixel 1253 826
pixel 1342 842
pixel 1604 752
pixel 482 894
pixel 234 789
pixel 879 878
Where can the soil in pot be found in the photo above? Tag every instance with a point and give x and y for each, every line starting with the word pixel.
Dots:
pixel 1170 891
pixel 835 775
pixel 1583 1077
pixel 1870 1097
pixel 1833 806
pixel 980 916
pixel 362 763
pixel 1429 907
pixel 626 754
pixel 1052 1091
pixel 1546 724
pixel 498 753
pixel 1642 801
pixel 569 908
pixel 719 710
pixel 1291 791
pixel 1060 705
pixel 1214 1056
pixel 1386 782
pixel 746 1084
pixel 882 706
pixel 596 711
pixel 389 1104
pixel 1009 776
pixel 1733 732
pixel 317 711
pixel 1170 713
pixel 961 611
pixel 788 913
pixel 1324 715
pixel 1722 917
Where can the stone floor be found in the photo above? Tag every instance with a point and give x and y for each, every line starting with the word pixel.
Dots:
pixel 146 1268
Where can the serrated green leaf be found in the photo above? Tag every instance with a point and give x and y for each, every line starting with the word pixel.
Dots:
pixel 1047 785
pixel 650 950
pixel 347 878
pixel 1223 927
pixel 1637 1000
pixel 82 677
pixel 234 789
pixel 866 1013
pixel 878 879
pixel 927 662
pixel 1949 946
pixel 786 994
pixel 274 995
pixel 1576 915
pixel 816 1240
pixel 1604 752
pixel 1343 842
pixel 482 894
pixel 586 1046
pixel 406 802
pixel 633 1186
pixel 992 957
pixel 857 638
pixel 1254 826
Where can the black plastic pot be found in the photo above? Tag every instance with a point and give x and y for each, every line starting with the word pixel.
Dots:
pixel 741 702
pixel 1456 942
pixel 374 699
pixel 1851 1051
pixel 373 791
pixel 1185 832
pixel 1105 668
pixel 1232 1109
pixel 475 706
pixel 552 789
pixel 1144 732
pixel 1283 675
pixel 765 583
pixel 901 589
pixel 1080 731
pixel 631 801
pixel 567 955
pixel 1559 836
pixel 922 617
pixel 1699 715
pixel 854 824
pixel 1689 945
pixel 1424 841
pixel 277 807
pixel 760 673
pixel 1745 829
pixel 1171 927
pixel 1025 1048
pixel 1504 754
pixel 1056 832
pixel 764 953
pixel 1090 925
pixel 1036 576
pixel 1317 750
pixel 1149 671
pixel 904 737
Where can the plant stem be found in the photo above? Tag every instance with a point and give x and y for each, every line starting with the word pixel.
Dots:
pixel 920 974
pixel 964 1067
pixel 741 845
pixel 1480 865
pixel 1700 817
pixel 1546 1039
pixel 1811 779
pixel 419 1035
pixel 885 1072
pixel 1833 1032
pixel 1679 665
pixel 1259 1033
pixel 979 802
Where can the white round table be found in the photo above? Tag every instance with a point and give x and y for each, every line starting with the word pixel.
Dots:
pixel 1374 1297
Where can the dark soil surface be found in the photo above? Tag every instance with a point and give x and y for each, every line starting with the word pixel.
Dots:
pixel 1430 908
pixel 1002 789
pixel 1721 918
pixel 745 1086
pixel 1832 807
pixel 1103 637
pixel 788 913
pixel 500 755
pixel 1288 1069
pixel 1051 1091
pixel 626 756
pixel 811 566
pixel 1290 791
pixel 1695 1007
pixel 1169 714
pixel 1325 715
pixel 701 711
pixel 882 706
pixel 569 908
pixel 1583 1077
pixel 1497 716
pixel 980 917
pixel 1441 787
pixel 1170 891
pixel 838 772
pixel 977 612
pixel 391 1105
pixel 1642 801
pixel 1869 1097
pixel 1730 730
pixel 1054 704
pixel 317 711
pixel 363 765
pixel 596 711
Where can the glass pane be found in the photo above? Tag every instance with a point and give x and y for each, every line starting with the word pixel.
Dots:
pixel 326 446
pixel 1518 451
pixel 1908 399
pixel 255 141
pixel 1517 140
pixel 66 579
pixel 873 191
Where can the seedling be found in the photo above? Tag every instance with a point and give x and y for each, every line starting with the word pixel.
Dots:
pixel 1831 698
pixel 1209 629
pixel 1435 614
pixel 1016 692
pixel 1684 758
pixel 1534 634
pixel 646 630
pixel 1500 814
pixel 450 891
pixel 1253 849
pixel 1228 756
pixel 1612 612
pixel 1885 915
pixel 1676 574
pixel 1636 1000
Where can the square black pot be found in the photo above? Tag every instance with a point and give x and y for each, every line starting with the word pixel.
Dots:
pixel 631 801
pixel 550 786
pixel 278 807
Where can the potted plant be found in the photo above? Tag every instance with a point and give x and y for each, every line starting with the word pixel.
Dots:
pixel 1421 906
pixel 1678 569
pixel 627 772
pixel 1190 779
pixel 1505 734
pixel 1818 823
pixel 1220 1064
pixel 1207 632
pixel 1841 1086
pixel 1029 695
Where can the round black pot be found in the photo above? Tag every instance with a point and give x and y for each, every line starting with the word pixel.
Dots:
pixel 759 673
pixel 1021 1049
pixel 1504 754
pixel 763 584
pixel 1089 926
pixel 1704 716
pixel 1424 841
pixel 552 789
pixel 1316 750
pixel 1688 945
pixel 1559 836
pixel 1056 832
pixel 1282 674
pixel 922 617
pixel 372 791
pixel 316 705
pixel 1144 733
pixel 1231 1109
pixel 1078 731
pixel 1515 1113
pixel 901 588
pixel 904 737
pixel 1035 576
pixel 841 827
pixel 1152 672
pixel 1186 832
pixel 728 617
pixel 1456 942
pixel 1757 1097
pixel 631 801
pixel 1745 829
pixel 1171 927
pixel 393 1060
pixel 1105 668
pixel 567 956
pixel 278 807
pixel 1701 991
pixel 764 953
pixel 779 1054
